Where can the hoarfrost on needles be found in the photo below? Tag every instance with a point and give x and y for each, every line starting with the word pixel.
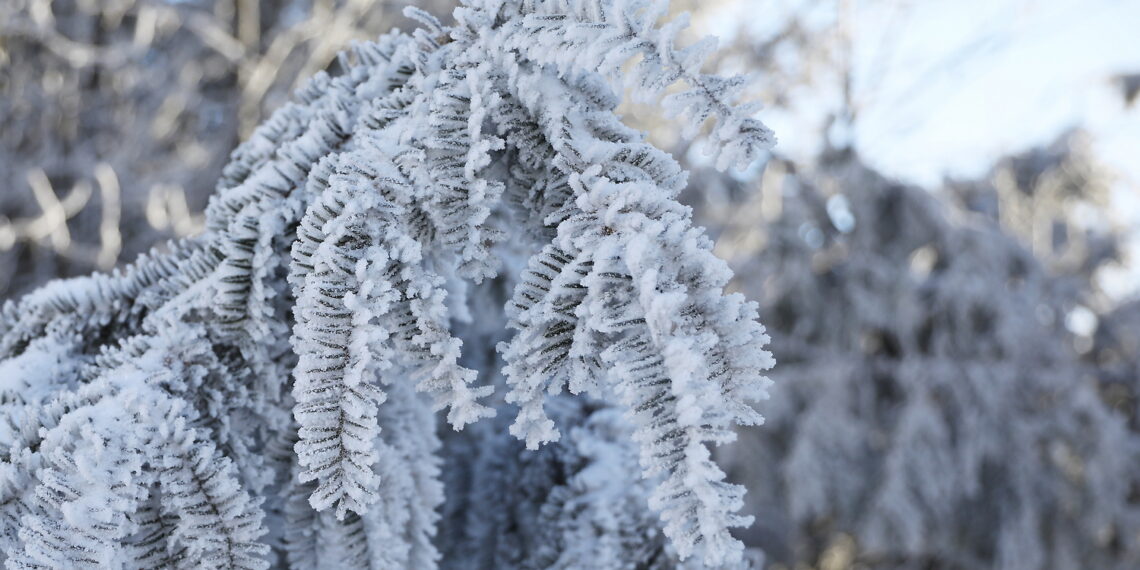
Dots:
pixel 262 394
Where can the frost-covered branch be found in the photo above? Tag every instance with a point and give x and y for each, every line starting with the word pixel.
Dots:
pixel 359 247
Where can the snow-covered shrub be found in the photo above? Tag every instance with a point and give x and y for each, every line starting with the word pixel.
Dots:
pixel 262 394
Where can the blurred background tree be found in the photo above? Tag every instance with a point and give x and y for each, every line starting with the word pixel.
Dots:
pixel 952 299
pixel 957 361
pixel 119 114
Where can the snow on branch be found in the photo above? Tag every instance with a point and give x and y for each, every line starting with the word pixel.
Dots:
pixel 268 386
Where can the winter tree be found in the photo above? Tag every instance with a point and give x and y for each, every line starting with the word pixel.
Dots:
pixel 457 220
pixel 931 409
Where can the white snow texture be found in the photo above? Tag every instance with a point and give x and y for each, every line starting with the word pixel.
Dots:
pixel 457 220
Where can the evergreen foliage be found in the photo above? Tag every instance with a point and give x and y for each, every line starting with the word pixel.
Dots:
pixel 262 394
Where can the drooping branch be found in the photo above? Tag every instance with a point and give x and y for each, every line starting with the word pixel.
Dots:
pixel 330 285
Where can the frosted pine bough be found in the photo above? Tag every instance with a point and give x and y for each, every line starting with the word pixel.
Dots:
pixel 168 414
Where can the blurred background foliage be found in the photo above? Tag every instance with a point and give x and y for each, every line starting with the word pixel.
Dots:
pixel 118 115
pixel 959 354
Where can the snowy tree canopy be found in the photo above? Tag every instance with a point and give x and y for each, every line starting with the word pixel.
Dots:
pixel 262 394
pixel 930 410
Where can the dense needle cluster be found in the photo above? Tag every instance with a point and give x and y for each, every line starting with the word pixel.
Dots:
pixel 262 394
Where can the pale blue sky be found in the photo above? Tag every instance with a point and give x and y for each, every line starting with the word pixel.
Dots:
pixel 945 87
pixel 995 77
